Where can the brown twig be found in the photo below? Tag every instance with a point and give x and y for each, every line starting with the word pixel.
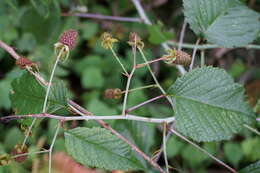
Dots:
pixel 101 122
pixel 103 17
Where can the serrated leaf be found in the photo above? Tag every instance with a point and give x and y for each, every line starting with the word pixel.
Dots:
pixel 28 96
pixel 228 23
pixel 208 105
pixel 253 168
pixel 97 147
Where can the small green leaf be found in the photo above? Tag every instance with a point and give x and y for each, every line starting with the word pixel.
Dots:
pixel 92 77
pixel 253 168
pixel 157 36
pixel 97 147
pixel 233 152
pixel 208 105
pixel 250 148
pixel 174 146
pixel 226 23
pixel 89 29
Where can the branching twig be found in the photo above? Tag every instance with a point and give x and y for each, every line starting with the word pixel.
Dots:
pixel 103 17
pixel 142 14
pixel 204 151
pixel 94 117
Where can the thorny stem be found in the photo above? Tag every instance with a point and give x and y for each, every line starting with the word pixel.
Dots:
pixel 154 77
pixel 194 54
pixel 252 129
pixel 204 151
pixel 142 14
pixel 84 112
pixel 52 144
pixel 140 88
pixel 129 79
pixel 164 147
pixel 143 103
pixel 118 60
pixel 103 17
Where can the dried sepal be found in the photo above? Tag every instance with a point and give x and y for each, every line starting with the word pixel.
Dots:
pixel 107 40
pixel 177 57
pixel 19 149
pixel 26 130
pixel 135 40
pixel 5 159
pixel 113 93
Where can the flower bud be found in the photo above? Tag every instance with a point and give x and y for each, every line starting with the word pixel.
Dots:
pixel 113 93
pixel 135 40
pixel 177 57
pixel 107 40
pixel 5 159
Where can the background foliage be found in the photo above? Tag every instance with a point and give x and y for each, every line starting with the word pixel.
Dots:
pixel 32 27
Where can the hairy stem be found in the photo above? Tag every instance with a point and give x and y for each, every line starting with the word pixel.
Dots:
pixel 118 60
pixel 140 88
pixel 129 79
pixel 194 55
pixel 144 103
pixel 154 77
pixel 26 154
pixel 164 147
pixel 252 129
pixel 52 145
pixel 202 58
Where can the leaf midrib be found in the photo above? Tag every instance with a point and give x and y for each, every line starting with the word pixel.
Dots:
pixel 103 148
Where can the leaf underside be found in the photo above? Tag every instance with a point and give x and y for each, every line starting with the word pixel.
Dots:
pixel 228 23
pixel 208 105
pixel 97 147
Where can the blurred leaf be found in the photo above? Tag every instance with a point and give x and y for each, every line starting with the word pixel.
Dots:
pixel 233 152
pixel 250 148
pixel 5 87
pixel 253 168
pixel 92 78
pixel 226 23
pixel 89 29
pixel 157 36
pixel 98 107
pixel 42 7
pixel 174 146
pixel 209 97
pixel 193 156
pixel 13 137
pixel 237 68
pixel 88 61
pixel 97 147
pixel 27 42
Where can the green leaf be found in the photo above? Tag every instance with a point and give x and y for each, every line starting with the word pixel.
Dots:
pixel 28 96
pixel 233 152
pixel 174 146
pixel 253 168
pixel 157 36
pixel 92 77
pixel 208 105
pixel 89 29
pixel 250 148
pixel 228 23
pixel 97 147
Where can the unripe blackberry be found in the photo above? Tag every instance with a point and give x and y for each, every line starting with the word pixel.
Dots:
pixel 177 57
pixel 113 93
pixel 69 38
pixel 23 62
